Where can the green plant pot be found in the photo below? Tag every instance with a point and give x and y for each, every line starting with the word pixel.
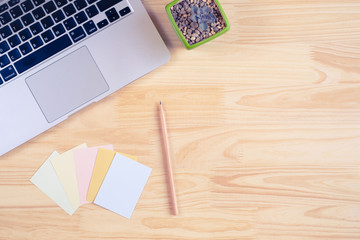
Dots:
pixel 189 29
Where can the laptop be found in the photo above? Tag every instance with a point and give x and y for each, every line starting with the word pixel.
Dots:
pixel 58 56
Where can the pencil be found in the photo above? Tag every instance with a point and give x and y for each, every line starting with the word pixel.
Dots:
pixel 167 158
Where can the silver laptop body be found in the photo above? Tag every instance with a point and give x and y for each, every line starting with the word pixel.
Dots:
pixel 91 60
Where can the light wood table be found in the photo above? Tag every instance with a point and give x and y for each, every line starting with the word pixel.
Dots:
pixel 264 125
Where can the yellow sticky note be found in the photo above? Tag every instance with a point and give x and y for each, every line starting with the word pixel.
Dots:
pixel 64 167
pixel 103 161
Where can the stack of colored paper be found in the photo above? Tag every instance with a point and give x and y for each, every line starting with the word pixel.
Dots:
pixel 100 175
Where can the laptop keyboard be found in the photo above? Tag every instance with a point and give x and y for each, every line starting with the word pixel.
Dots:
pixel 32 31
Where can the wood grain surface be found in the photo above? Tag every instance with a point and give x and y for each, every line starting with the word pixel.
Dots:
pixel 264 126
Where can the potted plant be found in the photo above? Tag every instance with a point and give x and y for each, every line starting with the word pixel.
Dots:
pixel 197 21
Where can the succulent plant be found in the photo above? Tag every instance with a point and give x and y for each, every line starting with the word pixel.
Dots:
pixel 204 16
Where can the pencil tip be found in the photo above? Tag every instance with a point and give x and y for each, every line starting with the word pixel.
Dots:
pixel 160 102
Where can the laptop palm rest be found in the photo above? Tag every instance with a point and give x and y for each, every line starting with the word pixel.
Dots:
pixel 67 84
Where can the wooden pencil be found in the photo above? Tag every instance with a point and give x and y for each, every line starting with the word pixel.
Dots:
pixel 167 159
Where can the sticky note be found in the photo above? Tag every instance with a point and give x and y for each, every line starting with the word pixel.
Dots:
pixel 64 166
pixel 47 181
pixel 102 164
pixel 84 163
pixel 123 185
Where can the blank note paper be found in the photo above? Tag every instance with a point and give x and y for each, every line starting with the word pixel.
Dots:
pixel 64 166
pixel 47 181
pixel 123 185
pixel 84 163
pixel 102 164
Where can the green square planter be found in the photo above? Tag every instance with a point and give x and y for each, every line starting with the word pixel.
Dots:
pixel 186 16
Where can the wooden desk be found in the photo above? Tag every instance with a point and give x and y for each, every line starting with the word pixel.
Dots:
pixel 264 124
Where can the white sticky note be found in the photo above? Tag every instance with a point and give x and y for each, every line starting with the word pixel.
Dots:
pixel 64 166
pixel 123 185
pixel 47 181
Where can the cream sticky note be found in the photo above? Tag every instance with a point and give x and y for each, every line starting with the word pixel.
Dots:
pixel 64 166
pixel 123 185
pixel 102 164
pixel 47 181
pixel 84 163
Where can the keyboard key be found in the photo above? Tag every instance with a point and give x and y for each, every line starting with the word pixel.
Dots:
pixel 1 82
pixel 124 11
pixel 8 73
pixel 27 19
pixel 14 54
pixel 36 28
pixel 3 7
pixel 5 18
pixel 43 53
pixel 27 5
pixel 91 11
pixel 47 22
pixel 102 23
pixel 4 60
pixel 80 4
pixel 90 27
pixel 36 42
pixel 80 17
pixel 25 48
pixel 14 40
pixel 105 4
pixel 49 7
pixel 112 15
pixel 13 2
pixel 77 34
pixel 16 12
pixel 60 3
pixel 69 9
pixel 58 16
pixel 58 29
pixel 4 47
pixel 38 13
pixel 91 1
pixel 16 25
pixel 38 2
pixel 47 36
pixel 69 23
pixel 25 34
pixel 5 32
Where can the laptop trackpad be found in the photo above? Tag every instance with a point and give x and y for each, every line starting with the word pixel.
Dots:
pixel 67 84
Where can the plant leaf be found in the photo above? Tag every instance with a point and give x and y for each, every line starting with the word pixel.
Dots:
pixel 205 9
pixel 213 17
pixel 194 18
pixel 194 9
pixel 203 26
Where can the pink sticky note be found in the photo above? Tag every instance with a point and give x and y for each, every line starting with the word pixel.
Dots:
pixel 84 164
